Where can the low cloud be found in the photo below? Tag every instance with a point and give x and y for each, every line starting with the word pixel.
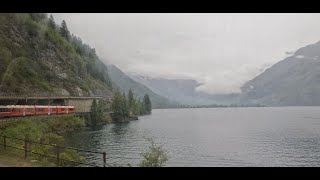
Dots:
pixel 222 51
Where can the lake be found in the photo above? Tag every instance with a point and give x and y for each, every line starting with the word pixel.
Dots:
pixel 262 136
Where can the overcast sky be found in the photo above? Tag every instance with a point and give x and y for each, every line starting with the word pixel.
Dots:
pixel 223 51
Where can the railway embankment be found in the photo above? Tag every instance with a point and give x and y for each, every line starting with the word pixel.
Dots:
pixel 46 130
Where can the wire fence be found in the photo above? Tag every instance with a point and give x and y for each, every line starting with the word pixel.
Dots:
pixel 55 151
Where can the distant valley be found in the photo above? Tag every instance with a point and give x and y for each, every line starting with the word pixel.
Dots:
pixel 184 91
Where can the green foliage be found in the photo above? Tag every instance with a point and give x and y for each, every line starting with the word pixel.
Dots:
pixel 130 99
pixel 15 75
pixel 51 22
pixel 116 106
pixel 37 17
pixel 147 104
pixel 94 112
pixel 5 59
pixel 64 30
pixel 98 115
pixel 125 83
pixel 44 130
pixel 35 38
pixel 156 156
pixel 125 107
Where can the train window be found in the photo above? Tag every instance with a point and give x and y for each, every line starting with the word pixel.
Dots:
pixel 63 109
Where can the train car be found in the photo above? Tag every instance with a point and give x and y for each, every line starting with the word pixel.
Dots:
pixel 61 110
pixel 20 110
pixel 17 111
pixel 29 111
pixel 5 111
pixel 52 110
pixel 71 109
pixel 41 110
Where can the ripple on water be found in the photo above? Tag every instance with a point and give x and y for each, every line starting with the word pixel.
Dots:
pixel 213 137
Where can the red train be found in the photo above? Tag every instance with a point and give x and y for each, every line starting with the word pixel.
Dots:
pixel 18 111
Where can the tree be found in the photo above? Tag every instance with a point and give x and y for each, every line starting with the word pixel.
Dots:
pixel 38 16
pixel 116 106
pixel 130 99
pixel 156 156
pixel 64 30
pixel 51 22
pixel 94 112
pixel 147 103
pixel 125 109
pixel 142 109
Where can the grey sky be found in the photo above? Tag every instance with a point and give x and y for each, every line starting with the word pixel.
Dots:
pixel 220 50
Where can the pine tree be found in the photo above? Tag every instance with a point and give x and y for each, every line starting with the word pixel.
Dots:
pixel 51 22
pixel 100 112
pixel 38 16
pixel 147 104
pixel 64 30
pixel 130 99
pixel 142 109
pixel 116 106
pixel 125 109
pixel 93 113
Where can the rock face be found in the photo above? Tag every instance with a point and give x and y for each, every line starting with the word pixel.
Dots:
pixel 35 59
pixel 294 81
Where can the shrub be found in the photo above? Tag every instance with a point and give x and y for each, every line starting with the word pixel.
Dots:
pixel 156 156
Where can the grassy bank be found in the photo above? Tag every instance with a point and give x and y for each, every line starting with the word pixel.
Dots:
pixel 50 130
pixel 9 158
pixel 47 130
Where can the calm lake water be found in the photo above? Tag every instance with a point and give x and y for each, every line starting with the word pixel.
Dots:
pixel 264 136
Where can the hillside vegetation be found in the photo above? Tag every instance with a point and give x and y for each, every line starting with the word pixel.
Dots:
pixel 38 56
pixel 124 83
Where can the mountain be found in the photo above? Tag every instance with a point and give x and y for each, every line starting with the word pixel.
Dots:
pixel 294 81
pixel 184 91
pixel 40 57
pixel 37 58
pixel 124 83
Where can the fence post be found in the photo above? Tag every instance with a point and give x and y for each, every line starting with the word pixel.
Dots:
pixel 25 148
pixel 4 142
pixel 58 156
pixel 104 159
